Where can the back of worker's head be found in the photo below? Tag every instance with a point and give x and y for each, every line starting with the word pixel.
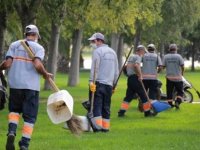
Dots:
pixel 141 50
pixel 151 48
pixel 32 30
pixel 173 47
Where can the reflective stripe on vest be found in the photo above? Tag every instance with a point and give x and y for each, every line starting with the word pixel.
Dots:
pixel 175 78
pixel 149 76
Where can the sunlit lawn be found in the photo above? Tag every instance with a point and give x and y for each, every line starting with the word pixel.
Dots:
pixel 170 130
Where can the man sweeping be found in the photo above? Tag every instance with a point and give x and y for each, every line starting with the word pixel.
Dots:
pixel 24 84
pixel 134 84
pixel 174 64
pixel 105 66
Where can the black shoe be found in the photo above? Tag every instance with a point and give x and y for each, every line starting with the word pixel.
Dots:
pixel 121 113
pixel 104 130
pixel 22 147
pixel 149 114
pixel 171 104
pixel 177 104
pixel 10 142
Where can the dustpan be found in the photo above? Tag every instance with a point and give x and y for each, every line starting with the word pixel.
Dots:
pixel 60 106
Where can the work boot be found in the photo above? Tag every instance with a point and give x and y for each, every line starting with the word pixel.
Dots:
pixel 149 114
pixel 121 113
pixel 105 130
pixel 171 104
pixel 22 146
pixel 10 142
pixel 177 104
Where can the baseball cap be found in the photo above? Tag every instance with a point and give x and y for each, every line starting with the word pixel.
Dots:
pixel 97 36
pixel 139 47
pixel 173 47
pixel 32 29
pixel 151 47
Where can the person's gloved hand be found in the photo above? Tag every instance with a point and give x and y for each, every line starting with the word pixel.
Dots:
pixel 92 87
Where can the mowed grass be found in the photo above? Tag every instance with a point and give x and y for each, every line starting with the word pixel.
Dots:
pixel 170 130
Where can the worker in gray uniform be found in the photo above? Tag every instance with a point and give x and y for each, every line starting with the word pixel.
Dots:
pixel 174 64
pixel 105 63
pixel 134 84
pixel 152 65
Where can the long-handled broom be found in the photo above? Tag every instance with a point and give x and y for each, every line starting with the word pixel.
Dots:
pixel 157 105
pixel 74 123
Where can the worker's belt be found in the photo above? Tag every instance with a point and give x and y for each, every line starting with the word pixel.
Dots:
pixel 98 83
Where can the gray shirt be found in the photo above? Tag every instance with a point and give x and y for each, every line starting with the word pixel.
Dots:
pixel 150 63
pixel 106 65
pixel 22 73
pixel 173 63
pixel 134 59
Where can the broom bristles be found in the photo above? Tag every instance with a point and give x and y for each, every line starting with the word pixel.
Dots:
pixel 74 125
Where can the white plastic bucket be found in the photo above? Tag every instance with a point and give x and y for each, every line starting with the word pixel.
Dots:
pixel 60 106
pixel 84 124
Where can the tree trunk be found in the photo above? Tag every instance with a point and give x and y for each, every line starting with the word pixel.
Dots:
pixel 27 11
pixel 53 51
pixel 3 24
pixel 115 41
pixel 137 37
pixel 162 50
pixel 120 50
pixel 75 58
pixel 193 56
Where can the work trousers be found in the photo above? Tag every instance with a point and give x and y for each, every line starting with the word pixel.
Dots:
pixel 134 86
pixel 23 101
pixel 171 85
pixel 151 86
pixel 102 100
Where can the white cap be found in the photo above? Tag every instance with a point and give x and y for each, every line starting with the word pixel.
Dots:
pixel 173 47
pixel 151 47
pixel 32 29
pixel 96 36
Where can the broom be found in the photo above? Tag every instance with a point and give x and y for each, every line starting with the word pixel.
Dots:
pixel 74 123
pixel 156 105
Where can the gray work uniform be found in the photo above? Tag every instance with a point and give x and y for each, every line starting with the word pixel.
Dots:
pixel 134 86
pixel 107 72
pixel 134 59
pixel 173 63
pixel 24 83
pixel 149 73
pixel 150 63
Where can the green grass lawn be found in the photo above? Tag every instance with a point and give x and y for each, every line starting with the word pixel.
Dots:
pixel 170 130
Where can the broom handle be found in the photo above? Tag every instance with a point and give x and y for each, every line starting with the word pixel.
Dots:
pixel 31 55
pixel 145 91
pixel 53 85
pixel 94 80
pixel 114 86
